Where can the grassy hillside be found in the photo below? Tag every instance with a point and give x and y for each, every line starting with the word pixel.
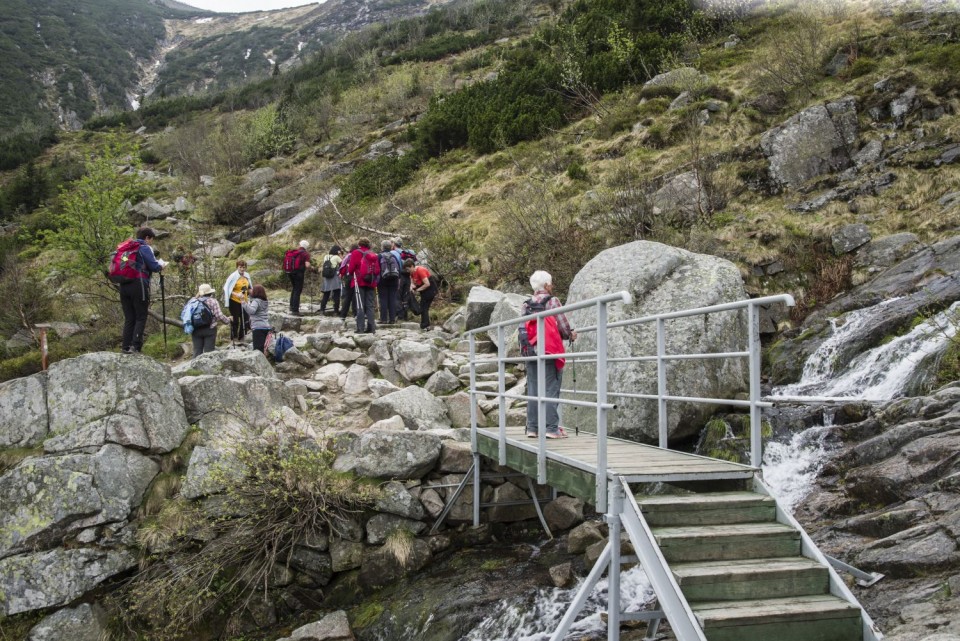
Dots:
pixel 512 136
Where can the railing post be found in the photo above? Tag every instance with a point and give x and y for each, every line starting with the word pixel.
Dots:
pixel 541 404
pixel 753 329
pixel 662 383
pixel 613 573
pixel 473 429
pixel 601 479
pixel 502 389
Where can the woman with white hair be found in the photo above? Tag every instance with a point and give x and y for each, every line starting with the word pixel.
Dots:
pixel 556 329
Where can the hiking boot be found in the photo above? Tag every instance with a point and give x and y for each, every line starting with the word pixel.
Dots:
pixel 128 350
pixel 531 433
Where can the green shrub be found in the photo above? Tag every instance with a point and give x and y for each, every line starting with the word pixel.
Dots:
pixel 379 178
pixel 576 171
pixel 862 66
pixel 279 495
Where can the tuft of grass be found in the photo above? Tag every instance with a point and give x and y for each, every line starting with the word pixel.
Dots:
pixel 399 544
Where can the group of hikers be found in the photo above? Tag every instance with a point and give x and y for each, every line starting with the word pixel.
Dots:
pixel 361 279
pixel 356 279
pixel 350 279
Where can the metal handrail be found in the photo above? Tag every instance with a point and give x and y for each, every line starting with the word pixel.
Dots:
pixel 601 401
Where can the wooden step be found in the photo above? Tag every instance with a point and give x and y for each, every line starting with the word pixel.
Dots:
pixel 805 618
pixel 711 508
pixel 727 542
pixel 751 579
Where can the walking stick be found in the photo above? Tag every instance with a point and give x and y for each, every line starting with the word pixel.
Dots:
pixel 163 310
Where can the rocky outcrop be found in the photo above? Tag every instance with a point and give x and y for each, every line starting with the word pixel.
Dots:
pixel 49 579
pixel 661 279
pixel 816 141
pixel 507 308
pixel 107 398
pixel 227 362
pixel 44 499
pixel 82 623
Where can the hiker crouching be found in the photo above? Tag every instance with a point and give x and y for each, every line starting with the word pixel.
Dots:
pixel 555 328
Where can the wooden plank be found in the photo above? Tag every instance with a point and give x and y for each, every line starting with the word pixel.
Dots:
pixel 728 613
pixel 751 579
pixel 567 479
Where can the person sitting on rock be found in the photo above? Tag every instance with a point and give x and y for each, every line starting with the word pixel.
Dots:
pixel 257 309
pixel 556 329
pixel 205 338
pixel 235 294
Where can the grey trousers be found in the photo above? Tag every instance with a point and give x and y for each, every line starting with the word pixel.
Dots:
pixel 204 340
pixel 553 378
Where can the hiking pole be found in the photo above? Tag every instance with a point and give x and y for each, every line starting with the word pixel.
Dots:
pixel 573 371
pixel 163 311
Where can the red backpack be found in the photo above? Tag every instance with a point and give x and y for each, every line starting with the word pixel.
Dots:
pixel 293 260
pixel 124 264
pixel 370 267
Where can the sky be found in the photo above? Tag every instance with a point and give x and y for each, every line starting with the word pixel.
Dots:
pixel 238 6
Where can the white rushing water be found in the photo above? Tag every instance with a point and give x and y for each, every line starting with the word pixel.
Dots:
pixel 535 619
pixel 878 374
pixel 791 468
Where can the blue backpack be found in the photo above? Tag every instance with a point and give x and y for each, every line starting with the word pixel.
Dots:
pixel 196 315
pixel 280 347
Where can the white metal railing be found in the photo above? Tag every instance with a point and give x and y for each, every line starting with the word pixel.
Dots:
pixel 602 397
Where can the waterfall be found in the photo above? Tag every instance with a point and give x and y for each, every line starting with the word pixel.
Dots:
pixel 791 468
pixel 879 374
pixel 535 619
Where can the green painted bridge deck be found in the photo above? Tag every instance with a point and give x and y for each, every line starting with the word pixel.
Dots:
pixel 572 462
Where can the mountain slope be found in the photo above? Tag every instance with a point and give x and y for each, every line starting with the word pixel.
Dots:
pixel 63 61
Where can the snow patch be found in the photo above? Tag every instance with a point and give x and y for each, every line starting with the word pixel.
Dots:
pixel 300 46
pixel 246 56
pixel 202 20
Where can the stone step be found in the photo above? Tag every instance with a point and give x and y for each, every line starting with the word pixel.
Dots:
pixel 708 508
pixel 727 542
pixel 803 618
pixel 480 347
pixel 751 579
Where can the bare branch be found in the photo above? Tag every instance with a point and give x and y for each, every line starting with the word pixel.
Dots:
pixel 379 232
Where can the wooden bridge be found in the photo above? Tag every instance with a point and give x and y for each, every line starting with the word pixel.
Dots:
pixel 726 562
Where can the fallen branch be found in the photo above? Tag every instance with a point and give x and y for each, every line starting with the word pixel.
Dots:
pixel 169 321
pixel 380 232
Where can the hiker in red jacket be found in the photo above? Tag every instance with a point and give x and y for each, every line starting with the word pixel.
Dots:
pixel 364 268
pixel 556 329
pixel 134 285
pixel 296 262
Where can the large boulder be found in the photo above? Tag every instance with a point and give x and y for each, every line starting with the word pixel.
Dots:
pixel 23 411
pixel 221 405
pixel 105 397
pixel 333 627
pixel 50 579
pixel 507 308
pixel 816 141
pixel 389 455
pixel 420 409
pixel 480 304
pixel 228 362
pixel 415 361
pixel 661 279
pixel 43 499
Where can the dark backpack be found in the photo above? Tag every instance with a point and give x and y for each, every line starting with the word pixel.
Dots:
pixel 329 271
pixel 200 315
pixel 389 269
pixel 281 346
pixel 408 254
pixel 125 262
pixel 293 260
pixel 370 267
pixel 532 307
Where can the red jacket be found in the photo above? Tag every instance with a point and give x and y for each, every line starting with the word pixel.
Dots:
pixel 354 262
pixel 554 343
